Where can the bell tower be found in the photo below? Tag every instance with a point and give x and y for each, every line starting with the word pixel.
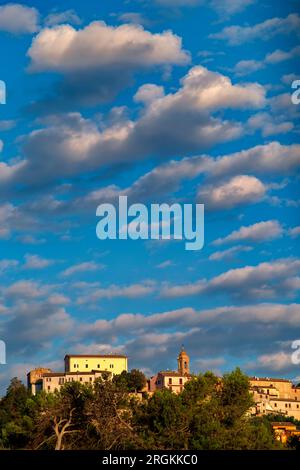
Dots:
pixel 183 361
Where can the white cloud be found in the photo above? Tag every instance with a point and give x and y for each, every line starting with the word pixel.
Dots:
pixel 87 266
pixel 24 289
pixel 246 67
pixel 114 291
pixel 265 280
pixel 177 122
pixel 281 56
pixel 294 232
pixel 36 262
pixel 269 125
pixel 65 49
pixel 241 189
pixel 229 253
pixel 275 362
pixel 236 35
pixel 259 232
pixel 56 18
pixel 18 19
pixel 272 158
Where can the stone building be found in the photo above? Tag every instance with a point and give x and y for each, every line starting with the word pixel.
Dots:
pixel 172 380
pixel 275 396
pixel 80 368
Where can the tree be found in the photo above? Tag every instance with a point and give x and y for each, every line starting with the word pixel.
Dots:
pixel 109 418
pixel 15 419
pixel 162 421
pixel 61 419
pixel 133 381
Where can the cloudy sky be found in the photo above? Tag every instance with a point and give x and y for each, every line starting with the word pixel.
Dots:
pixel 161 101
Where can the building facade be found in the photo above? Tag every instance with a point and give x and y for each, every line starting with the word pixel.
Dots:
pixel 275 396
pixel 53 381
pixel 79 368
pixel 113 363
pixel 172 380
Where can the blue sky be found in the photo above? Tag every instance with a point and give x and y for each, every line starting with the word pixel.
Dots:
pixel 162 101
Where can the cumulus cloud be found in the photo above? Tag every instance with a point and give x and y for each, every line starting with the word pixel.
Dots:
pixel 67 16
pixel 36 262
pixel 114 291
pixel 236 35
pixel 25 289
pixel 87 266
pixel 64 49
pixel 210 333
pixel 259 232
pixel 246 67
pixel 239 190
pixel 294 232
pixel 269 125
pixel 276 362
pixel 177 122
pixel 265 280
pixel 272 158
pixel 229 253
pixel 98 60
pixel 32 326
pixel 18 19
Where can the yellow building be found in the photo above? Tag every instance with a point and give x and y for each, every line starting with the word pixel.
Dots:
pixel 275 396
pixel 113 363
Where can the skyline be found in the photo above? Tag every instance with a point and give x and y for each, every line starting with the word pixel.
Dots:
pixel 169 101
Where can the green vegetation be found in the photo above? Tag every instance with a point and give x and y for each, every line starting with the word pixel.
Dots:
pixel 208 414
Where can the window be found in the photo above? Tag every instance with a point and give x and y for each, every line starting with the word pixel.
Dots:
pixel 86 366
pixel 49 387
pixel 275 404
pixel 98 366
pixel 170 381
pixel 91 379
pixel 180 381
pixel 80 379
pixel 111 366
pixel 286 405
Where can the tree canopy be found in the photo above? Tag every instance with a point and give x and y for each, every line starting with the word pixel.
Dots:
pixel 210 413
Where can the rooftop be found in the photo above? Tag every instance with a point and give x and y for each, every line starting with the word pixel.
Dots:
pixel 99 356
pixel 268 379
